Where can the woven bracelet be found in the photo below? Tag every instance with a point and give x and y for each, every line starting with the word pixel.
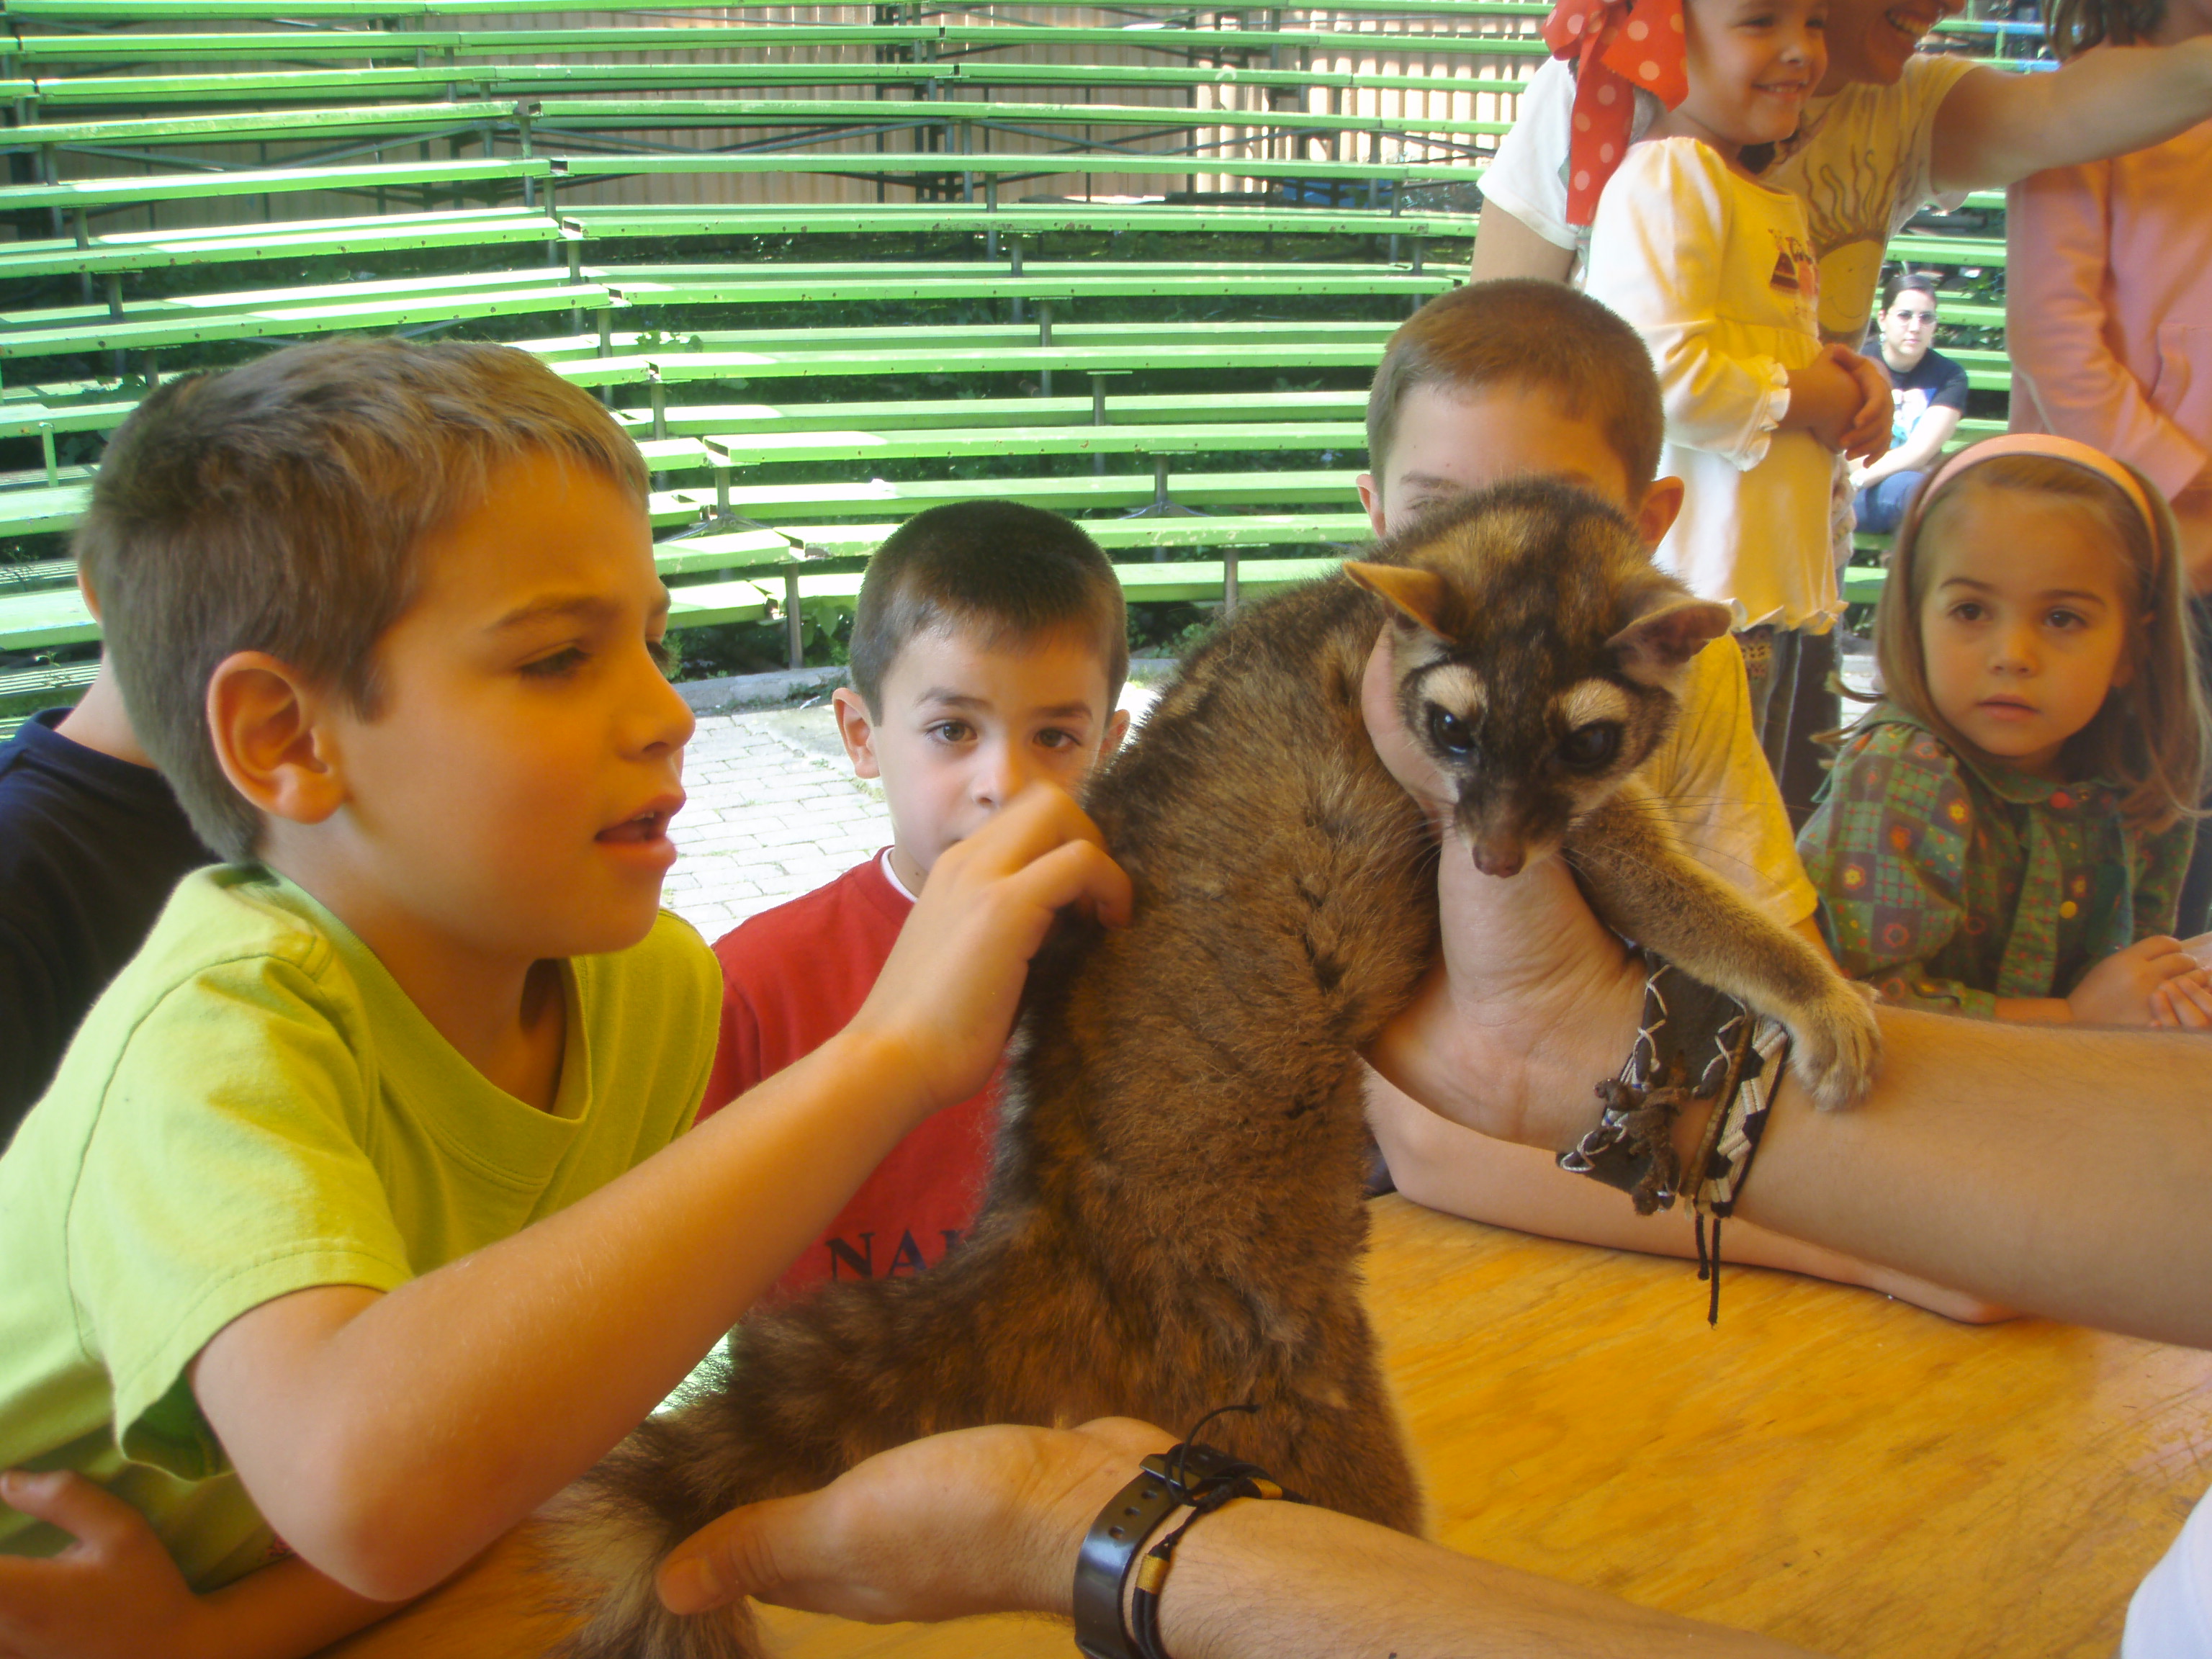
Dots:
pixel 1694 1046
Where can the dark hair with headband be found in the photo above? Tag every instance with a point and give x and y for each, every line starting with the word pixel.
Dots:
pixel 2149 737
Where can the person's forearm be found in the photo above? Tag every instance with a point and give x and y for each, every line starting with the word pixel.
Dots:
pixel 280 1611
pixel 2058 1171
pixel 1505 246
pixel 1994 128
pixel 1447 1167
pixel 1261 1580
pixel 420 1425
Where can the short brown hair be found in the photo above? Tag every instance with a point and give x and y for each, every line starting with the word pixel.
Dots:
pixel 2149 737
pixel 1016 573
pixel 1533 336
pixel 276 506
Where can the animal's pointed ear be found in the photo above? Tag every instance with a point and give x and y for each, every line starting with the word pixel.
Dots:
pixel 1650 648
pixel 1420 596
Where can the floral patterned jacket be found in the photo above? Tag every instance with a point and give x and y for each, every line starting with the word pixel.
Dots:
pixel 1949 885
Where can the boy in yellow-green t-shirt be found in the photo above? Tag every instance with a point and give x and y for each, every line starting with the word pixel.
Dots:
pixel 351 1229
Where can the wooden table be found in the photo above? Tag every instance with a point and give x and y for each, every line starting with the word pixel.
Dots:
pixel 1836 1469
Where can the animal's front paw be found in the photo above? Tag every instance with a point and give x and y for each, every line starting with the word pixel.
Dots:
pixel 1836 1045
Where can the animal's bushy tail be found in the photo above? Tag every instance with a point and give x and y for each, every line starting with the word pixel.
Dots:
pixel 601 1541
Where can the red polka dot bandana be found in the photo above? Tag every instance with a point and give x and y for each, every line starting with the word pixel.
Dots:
pixel 1617 46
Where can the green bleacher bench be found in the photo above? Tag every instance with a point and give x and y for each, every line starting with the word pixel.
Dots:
pixel 281 313
pixel 1132 410
pixel 822 219
pixel 1047 164
pixel 244 46
pixel 1917 250
pixel 247 126
pixel 77 12
pixel 153 249
pixel 786 505
pixel 403 121
pixel 774 283
pixel 950 443
pixel 94 195
pixel 514 80
pixel 586 113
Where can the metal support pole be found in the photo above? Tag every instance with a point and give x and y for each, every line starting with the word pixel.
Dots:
pixel 794 627
pixel 721 489
pixel 46 450
pixel 1044 338
pixel 658 393
pixel 1229 581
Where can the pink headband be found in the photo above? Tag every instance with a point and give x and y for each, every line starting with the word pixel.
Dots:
pixel 1618 45
pixel 2051 448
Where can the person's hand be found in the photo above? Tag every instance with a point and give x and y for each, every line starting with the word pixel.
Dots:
pixel 1865 437
pixel 2119 990
pixel 1829 399
pixel 945 998
pixel 977 1520
pixel 1534 999
pixel 112 1594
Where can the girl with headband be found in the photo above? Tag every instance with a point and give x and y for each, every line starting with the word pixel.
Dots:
pixel 1716 271
pixel 2004 835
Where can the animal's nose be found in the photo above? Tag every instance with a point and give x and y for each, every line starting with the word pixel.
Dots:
pixel 1498 858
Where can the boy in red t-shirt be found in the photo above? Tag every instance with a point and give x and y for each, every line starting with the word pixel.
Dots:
pixel 989 647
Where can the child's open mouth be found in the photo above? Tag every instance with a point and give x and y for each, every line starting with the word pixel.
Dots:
pixel 647 827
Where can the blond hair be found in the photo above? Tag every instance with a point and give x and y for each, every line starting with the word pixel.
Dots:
pixel 277 507
pixel 2149 735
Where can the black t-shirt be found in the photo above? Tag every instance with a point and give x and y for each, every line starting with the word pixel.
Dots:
pixel 1933 382
pixel 90 847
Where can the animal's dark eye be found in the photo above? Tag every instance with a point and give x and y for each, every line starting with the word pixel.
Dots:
pixel 1590 746
pixel 1449 733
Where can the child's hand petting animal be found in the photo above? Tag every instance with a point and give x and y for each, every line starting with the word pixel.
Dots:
pixel 113 1594
pixel 2154 982
pixel 947 996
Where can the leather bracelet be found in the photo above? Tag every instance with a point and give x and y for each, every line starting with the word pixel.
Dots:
pixel 1199 1475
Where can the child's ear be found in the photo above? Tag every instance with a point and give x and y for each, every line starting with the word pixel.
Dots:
pixel 1656 513
pixel 1117 729
pixel 857 727
pixel 1659 641
pixel 1370 497
pixel 1421 597
pixel 266 724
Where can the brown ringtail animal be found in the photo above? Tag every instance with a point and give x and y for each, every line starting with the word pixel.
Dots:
pixel 1174 1216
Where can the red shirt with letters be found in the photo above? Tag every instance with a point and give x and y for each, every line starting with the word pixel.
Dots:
pixel 792 977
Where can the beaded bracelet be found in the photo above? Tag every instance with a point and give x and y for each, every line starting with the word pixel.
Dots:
pixel 1199 1476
